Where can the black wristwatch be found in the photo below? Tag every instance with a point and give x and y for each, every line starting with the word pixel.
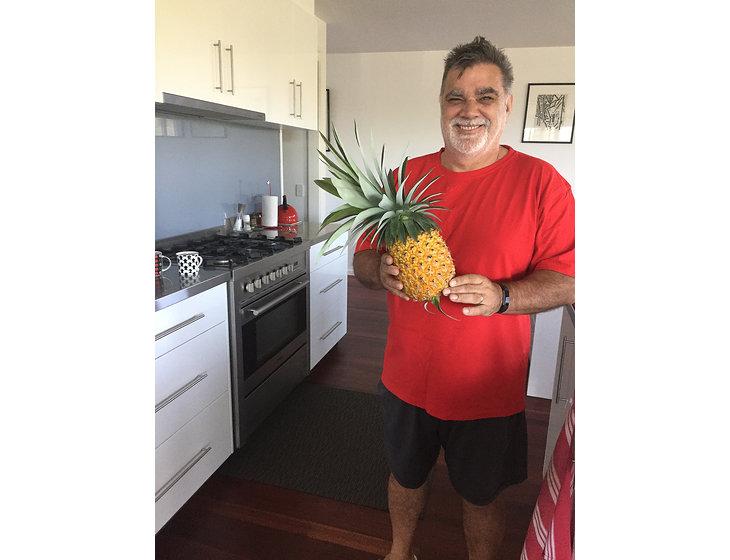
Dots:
pixel 505 299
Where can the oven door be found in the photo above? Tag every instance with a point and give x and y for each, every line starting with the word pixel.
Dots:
pixel 270 330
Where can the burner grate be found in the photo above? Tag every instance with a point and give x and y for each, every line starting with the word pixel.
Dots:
pixel 233 251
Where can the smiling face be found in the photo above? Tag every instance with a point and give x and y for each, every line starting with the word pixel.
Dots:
pixel 474 110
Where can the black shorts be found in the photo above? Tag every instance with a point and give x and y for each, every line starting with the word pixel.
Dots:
pixel 483 456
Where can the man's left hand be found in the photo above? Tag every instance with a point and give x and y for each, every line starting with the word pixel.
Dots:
pixel 479 293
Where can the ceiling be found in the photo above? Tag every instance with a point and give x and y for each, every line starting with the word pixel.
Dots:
pixel 438 25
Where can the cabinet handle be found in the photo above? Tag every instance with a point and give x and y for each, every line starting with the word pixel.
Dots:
pixel 328 288
pixel 559 391
pixel 329 332
pixel 179 326
pixel 189 465
pixel 230 49
pixel 293 98
pixel 189 385
pixel 333 250
pixel 299 85
pixel 220 66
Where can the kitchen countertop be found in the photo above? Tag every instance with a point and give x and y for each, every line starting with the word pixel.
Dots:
pixel 171 288
pixel 309 232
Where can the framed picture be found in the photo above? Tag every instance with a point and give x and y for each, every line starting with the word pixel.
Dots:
pixel 549 113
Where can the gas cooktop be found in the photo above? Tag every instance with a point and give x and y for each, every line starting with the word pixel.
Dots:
pixel 234 250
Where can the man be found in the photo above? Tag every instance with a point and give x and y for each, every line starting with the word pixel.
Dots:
pixel 460 385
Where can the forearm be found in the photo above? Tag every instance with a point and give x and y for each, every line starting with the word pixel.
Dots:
pixel 540 291
pixel 366 266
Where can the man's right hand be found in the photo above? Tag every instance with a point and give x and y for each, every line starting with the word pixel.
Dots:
pixel 389 277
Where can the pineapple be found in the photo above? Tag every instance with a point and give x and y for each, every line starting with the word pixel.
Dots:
pixel 397 220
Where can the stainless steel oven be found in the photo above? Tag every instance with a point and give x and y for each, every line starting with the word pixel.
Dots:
pixel 270 340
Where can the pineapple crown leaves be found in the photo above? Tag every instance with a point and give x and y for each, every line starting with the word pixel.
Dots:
pixel 374 203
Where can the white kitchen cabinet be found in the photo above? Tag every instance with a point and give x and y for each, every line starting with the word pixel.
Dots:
pixel 186 460
pixel 254 55
pixel 191 59
pixel 189 378
pixel 179 323
pixel 327 299
pixel 292 65
pixel 193 419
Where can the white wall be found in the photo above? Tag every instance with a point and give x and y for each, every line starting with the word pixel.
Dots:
pixel 395 95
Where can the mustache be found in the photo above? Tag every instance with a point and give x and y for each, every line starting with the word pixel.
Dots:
pixel 461 121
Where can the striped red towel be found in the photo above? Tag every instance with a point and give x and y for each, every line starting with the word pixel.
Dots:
pixel 550 534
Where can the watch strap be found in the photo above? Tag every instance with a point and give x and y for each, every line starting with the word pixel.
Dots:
pixel 505 299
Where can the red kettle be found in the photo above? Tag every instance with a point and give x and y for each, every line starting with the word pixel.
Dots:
pixel 287 214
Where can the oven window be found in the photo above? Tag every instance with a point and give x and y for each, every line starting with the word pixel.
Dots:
pixel 266 335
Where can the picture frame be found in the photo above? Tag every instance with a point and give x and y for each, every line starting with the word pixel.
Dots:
pixel 549 113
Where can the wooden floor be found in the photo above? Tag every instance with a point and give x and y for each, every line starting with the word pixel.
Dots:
pixel 229 518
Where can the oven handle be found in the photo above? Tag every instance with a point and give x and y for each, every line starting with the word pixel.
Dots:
pixel 255 311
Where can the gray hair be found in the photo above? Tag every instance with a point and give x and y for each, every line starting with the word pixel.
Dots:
pixel 479 51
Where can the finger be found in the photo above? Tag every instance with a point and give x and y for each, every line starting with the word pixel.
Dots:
pixel 393 285
pixel 386 259
pixel 395 290
pixel 474 310
pixel 464 289
pixel 392 270
pixel 466 279
pixel 472 298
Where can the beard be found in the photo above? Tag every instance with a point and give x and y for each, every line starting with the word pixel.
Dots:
pixel 466 144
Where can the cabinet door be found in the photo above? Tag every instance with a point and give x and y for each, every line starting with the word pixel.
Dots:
pixel 275 40
pixel 247 25
pixel 188 61
pixel 291 71
pixel 303 60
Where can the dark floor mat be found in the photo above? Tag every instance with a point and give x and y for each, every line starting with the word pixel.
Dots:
pixel 323 441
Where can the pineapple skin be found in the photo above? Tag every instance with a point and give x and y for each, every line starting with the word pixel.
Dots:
pixel 424 263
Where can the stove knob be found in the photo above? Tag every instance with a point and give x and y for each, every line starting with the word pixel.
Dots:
pixel 257 282
pixel 284 270
pixel 278 272
pixel 249 287
pixel 265 279
pixel 291 268
pixel 273 275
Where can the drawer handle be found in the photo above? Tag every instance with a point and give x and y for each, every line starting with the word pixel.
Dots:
pixel 329 332
pixel 328 288
pixel 559 392
pixel 179 326
pixel 230 49
pixel 333 250
pixel 220 66
pixel 181 473
pixel 256 311
pixel 167 400
pixel 299 85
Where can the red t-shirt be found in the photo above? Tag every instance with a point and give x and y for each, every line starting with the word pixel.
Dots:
pixel 503 222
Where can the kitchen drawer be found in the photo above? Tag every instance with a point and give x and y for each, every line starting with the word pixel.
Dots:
pixel 335 251
pixel 186 460
pixel 178 323
pixel 328 303
pixel 328 287
pixel 189 378
pixel 326 331
pixel 324 277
